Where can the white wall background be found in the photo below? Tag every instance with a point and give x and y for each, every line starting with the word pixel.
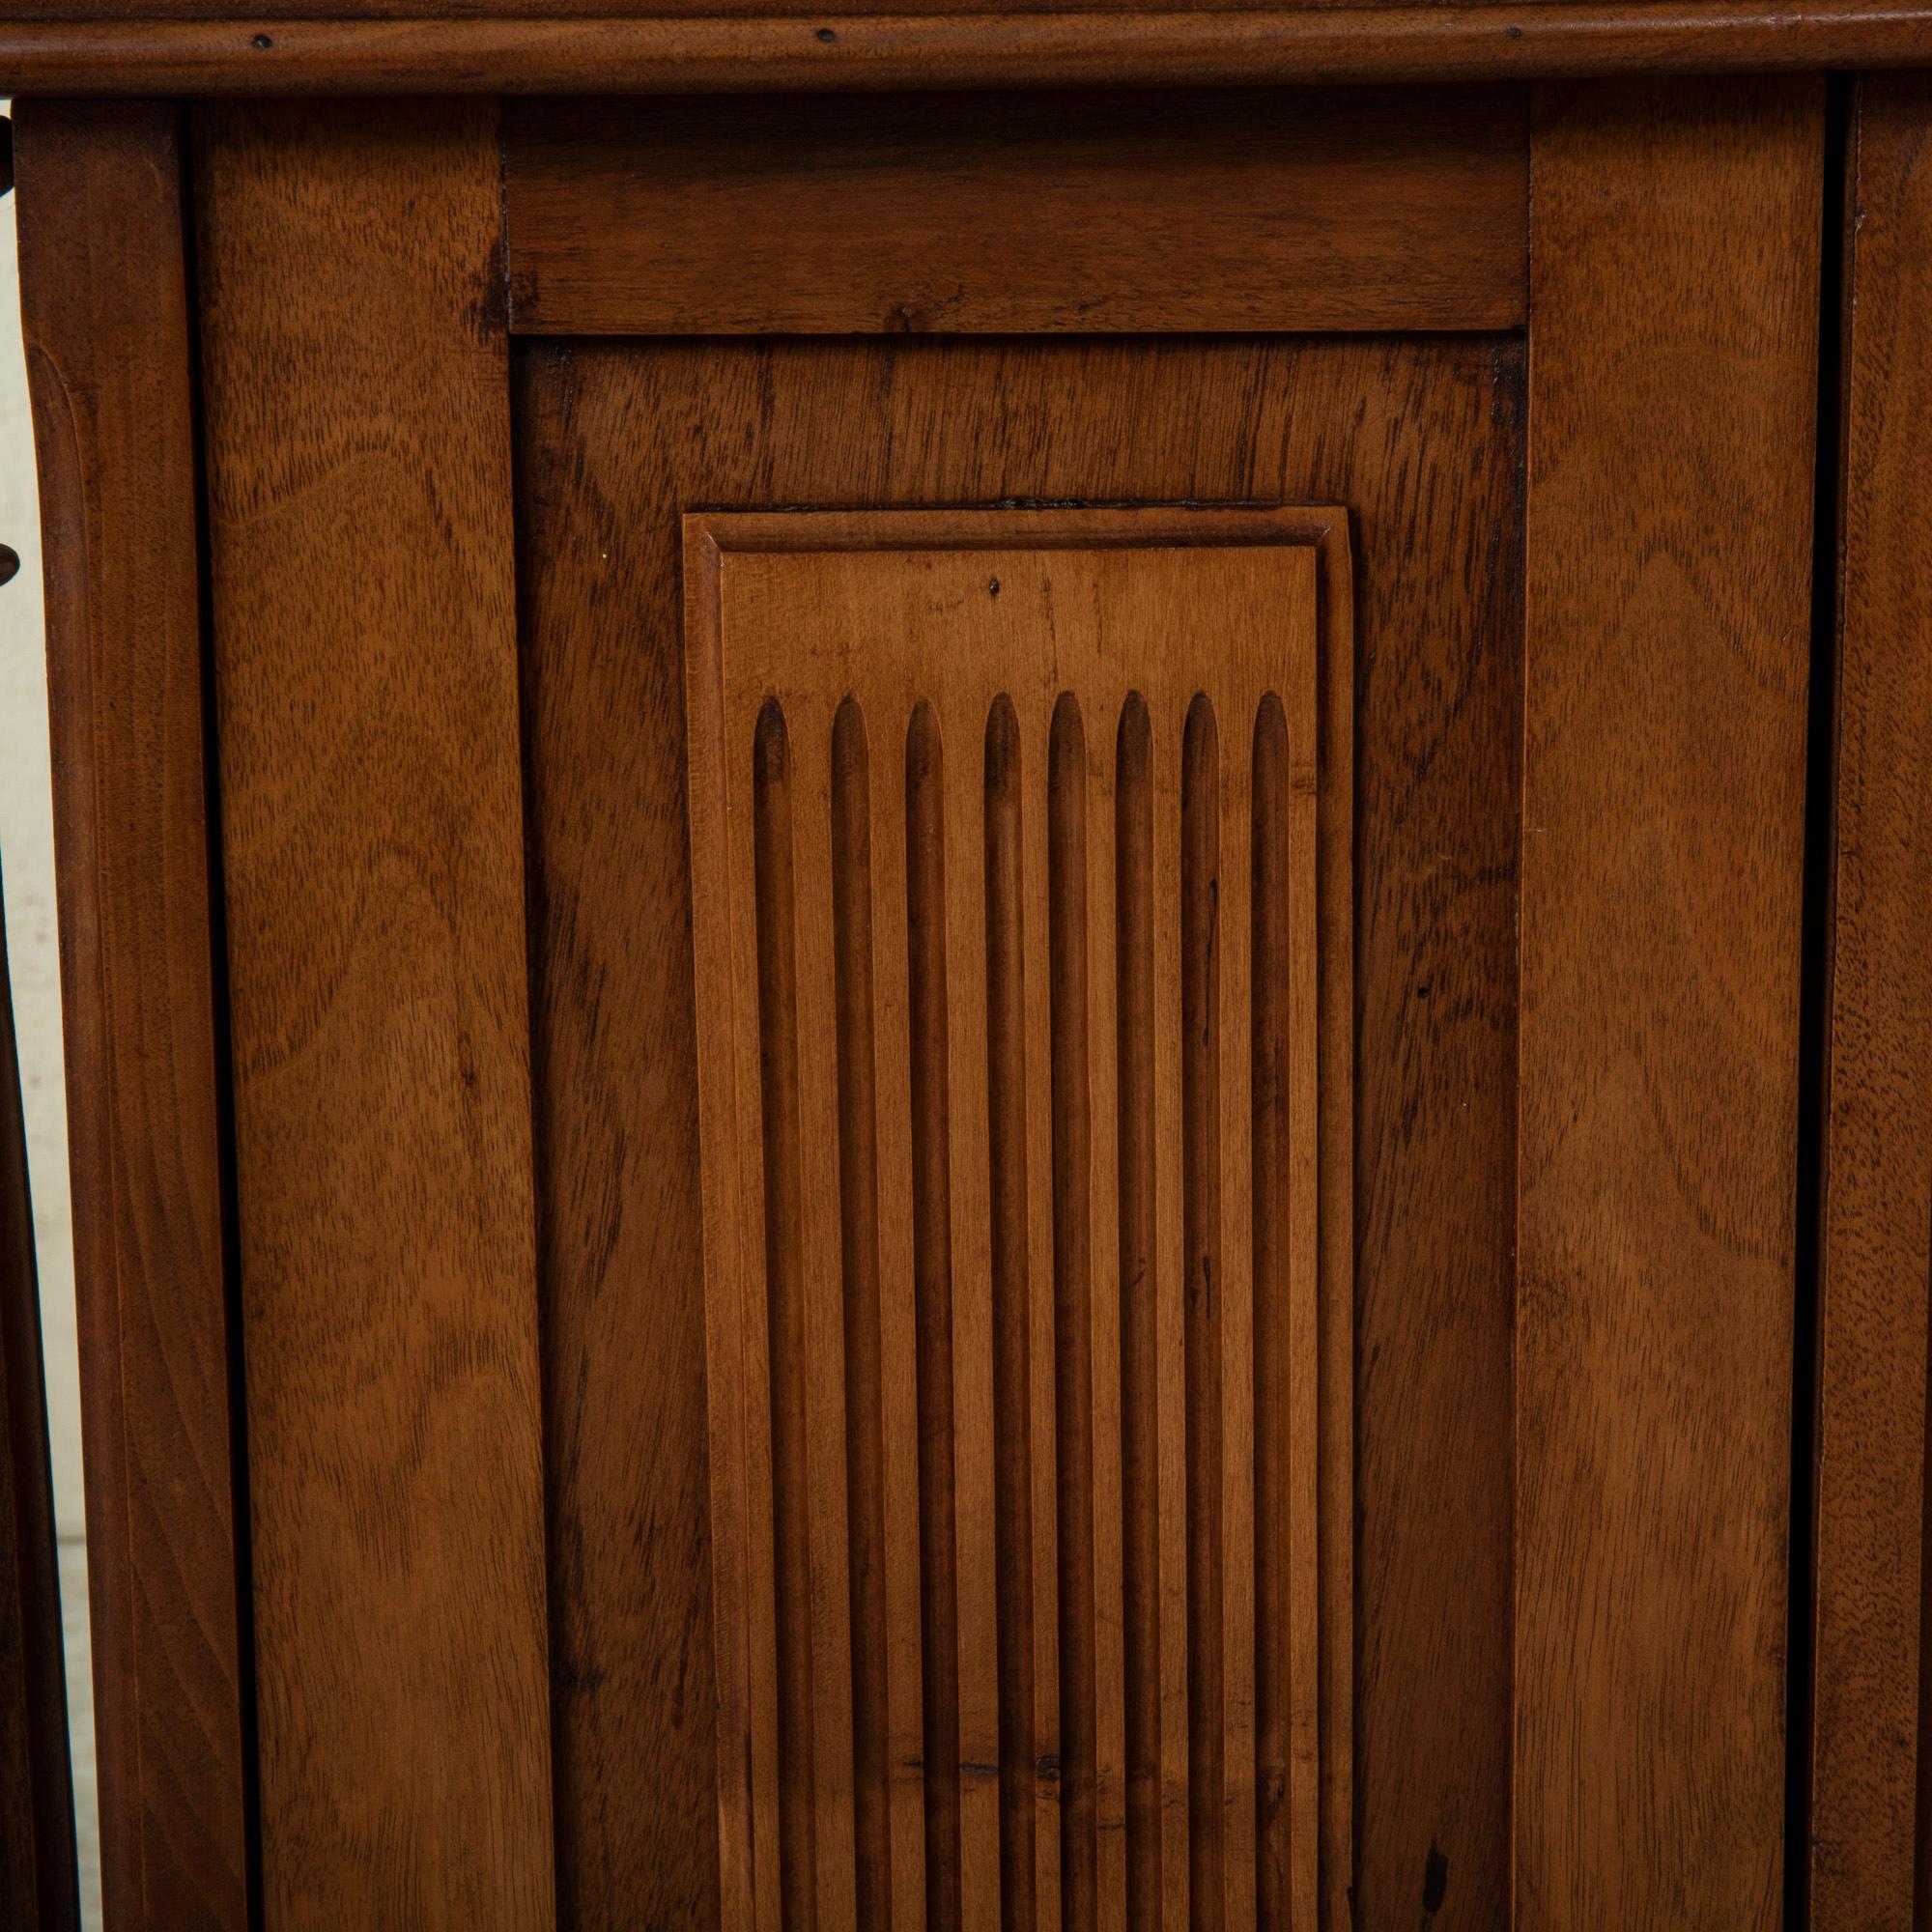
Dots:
pixel 27 870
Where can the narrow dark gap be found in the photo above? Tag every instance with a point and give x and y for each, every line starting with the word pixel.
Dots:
pixel 1815 1003
pixel 560 1665
pixel 224 1065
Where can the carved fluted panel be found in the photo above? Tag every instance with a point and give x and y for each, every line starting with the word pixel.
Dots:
pixel 1025 1160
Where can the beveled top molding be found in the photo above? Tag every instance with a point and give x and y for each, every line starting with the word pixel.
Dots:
pixel 499 47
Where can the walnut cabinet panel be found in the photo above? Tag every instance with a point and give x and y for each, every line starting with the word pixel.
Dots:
pixel 993 1005
pixel 1009 1086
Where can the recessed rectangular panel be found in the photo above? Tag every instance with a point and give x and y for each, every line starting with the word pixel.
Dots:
pixel 1018 1161
pixel 977 213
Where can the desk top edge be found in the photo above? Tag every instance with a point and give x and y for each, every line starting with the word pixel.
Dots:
pixel 502 48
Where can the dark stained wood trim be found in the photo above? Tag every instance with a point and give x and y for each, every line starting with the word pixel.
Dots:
pixel 361 569
pixel 37 1879
pixel 1869 1732
pixel 1495 40
pixel 1674 316
pixel 109 364
pixel 1278 211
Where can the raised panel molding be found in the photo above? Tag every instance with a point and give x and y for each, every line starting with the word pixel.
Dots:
pixel 1021 892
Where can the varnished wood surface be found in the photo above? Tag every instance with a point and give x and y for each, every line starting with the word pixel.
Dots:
pixel 38 1880
pixel 1672 393
pixel 1421 440
pixel 1019 214
pixel 266 53
pixel 625 10
pixel 363 617
pixel 108 365
pixel 1868 1803
pixel 958 648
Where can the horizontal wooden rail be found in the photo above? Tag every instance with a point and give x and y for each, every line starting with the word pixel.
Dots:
pixel 1523 39
pixel 1282 210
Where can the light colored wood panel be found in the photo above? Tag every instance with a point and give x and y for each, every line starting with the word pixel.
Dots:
pixel 359 459
pixel 744 1852
pixel 968 627
pixel 1868 1746
pixel 1020 212
pixel 1672 389
pixel 109 366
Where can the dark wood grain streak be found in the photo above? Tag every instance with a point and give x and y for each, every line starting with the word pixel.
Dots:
pixel 1672 399
pixel 109 364
pixel 39 1883
pixel 1140 1396
pixel 1421 439
pixel 1015 213
pixel 1271 1204
pixel 1074 1311
pixel 364 642
pixel 932 1299
pixel 784 1313
pixel 1205 1288
pixel 872 1770
pixel 1005 1123
pixel 1489 39
pixel 1868 1822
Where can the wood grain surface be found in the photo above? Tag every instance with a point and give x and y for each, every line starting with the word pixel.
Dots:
pixel 1422 441
pixel 1020 213
pixel 37 1877
pixel 622 10
pixel 1869 1738
pixel 957 645
pixel 108 366
pixel 1674 299
pixel 277 53
pixel 372 834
